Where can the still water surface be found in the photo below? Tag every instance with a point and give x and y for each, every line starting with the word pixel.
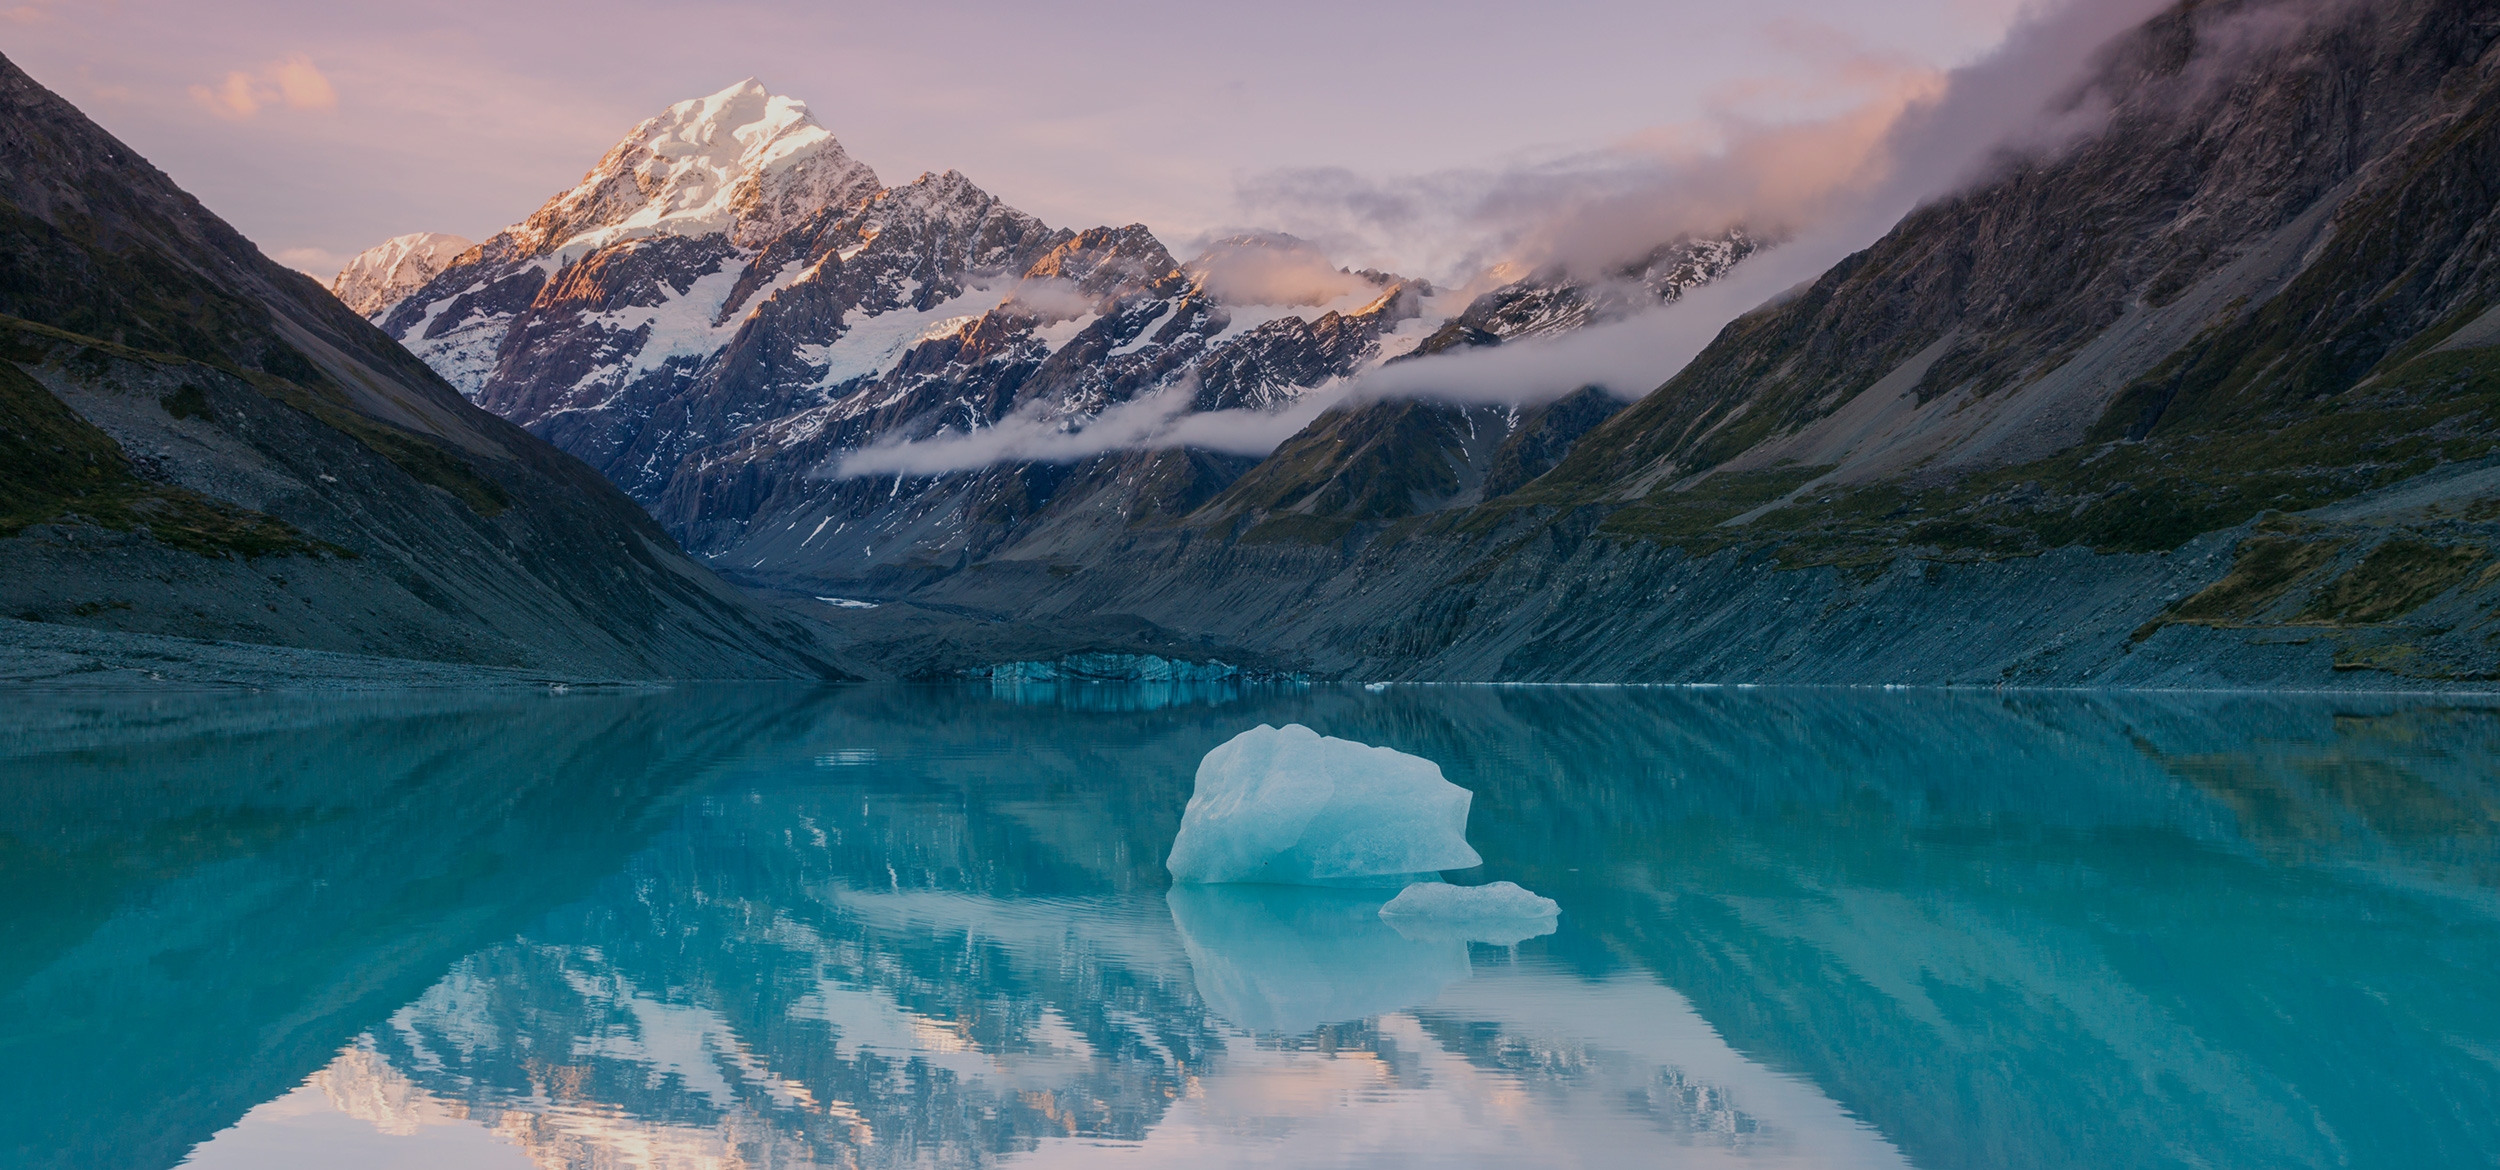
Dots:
pixel 778 927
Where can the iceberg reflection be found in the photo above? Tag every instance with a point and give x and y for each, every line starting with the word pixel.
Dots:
pixel 1290 958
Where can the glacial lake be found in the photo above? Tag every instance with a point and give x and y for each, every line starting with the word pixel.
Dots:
pixel 781 927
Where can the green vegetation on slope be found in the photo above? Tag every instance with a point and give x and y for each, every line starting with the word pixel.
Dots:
pixel 55 466
pixel 424 459
pixel 2397 578
pixel 2267 568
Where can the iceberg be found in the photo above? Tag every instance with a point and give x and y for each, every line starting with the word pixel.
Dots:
pixel 1290 806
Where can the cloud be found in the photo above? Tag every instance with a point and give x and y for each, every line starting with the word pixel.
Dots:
pixel 294 83
pixel 1147 421
pixel 1833 187
pixel 1619 357
pixel 1271 268
pixel 1895 130
pixel 1050 298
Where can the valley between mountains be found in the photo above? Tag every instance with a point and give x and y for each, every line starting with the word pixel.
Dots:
pixel 2205 394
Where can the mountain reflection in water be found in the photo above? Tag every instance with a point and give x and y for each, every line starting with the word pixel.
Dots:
pixel 929 926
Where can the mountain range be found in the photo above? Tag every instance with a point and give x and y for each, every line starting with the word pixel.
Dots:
pixel 728 304
pixel 2201 396
pixel 2196 398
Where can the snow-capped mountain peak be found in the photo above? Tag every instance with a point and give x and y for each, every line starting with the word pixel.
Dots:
pixel 743 161
pixel 380 275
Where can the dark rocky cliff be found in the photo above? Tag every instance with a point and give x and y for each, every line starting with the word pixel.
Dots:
pixel 197 441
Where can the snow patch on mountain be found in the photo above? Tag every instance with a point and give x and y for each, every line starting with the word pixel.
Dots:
pixel 462 351
pixel 871 345
pixel 1059 333
pixel 682 326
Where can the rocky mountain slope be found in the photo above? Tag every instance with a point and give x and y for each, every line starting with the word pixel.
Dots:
pixel 196 441
pixel 2203 398
pixel 728 305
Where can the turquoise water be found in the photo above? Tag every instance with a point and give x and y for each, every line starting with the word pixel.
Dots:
pixel 929 927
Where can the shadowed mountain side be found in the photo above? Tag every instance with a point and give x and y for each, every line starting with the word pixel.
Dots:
pixel 2269 220
pixel 1403 457
pixel 200 442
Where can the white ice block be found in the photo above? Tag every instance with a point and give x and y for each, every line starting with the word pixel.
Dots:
pixel 1444 901
pixel 1290 806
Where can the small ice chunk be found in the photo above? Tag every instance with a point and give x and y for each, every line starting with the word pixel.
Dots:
pixel 1498 905
pixel 1291 806
pixel 1500 913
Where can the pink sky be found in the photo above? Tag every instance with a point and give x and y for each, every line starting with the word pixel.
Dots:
pixel 322 128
